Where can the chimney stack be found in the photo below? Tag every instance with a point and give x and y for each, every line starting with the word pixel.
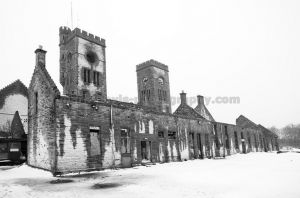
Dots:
pixel 200 100
pixel 183 97
pixel 40 56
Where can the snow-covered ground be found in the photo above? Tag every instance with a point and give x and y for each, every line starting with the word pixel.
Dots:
pixel 253 175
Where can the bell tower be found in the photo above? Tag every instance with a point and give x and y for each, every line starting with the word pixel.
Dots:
pixel 82 64
pixel 153 85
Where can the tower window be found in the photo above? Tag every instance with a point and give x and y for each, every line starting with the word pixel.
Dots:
pixel 86 75
pixel 96 79
pixel 84 94
pixel 148 94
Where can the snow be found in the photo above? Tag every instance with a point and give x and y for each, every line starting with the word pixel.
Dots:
pixel 251 175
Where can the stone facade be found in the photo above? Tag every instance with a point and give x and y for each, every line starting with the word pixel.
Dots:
pixel 78 132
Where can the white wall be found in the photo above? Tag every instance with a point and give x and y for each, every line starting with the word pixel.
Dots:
pixel 13 103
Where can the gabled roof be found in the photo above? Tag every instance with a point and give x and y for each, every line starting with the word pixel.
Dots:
pixel 188 111
pixel 17 87
pixel 44 71
pixel 266 131
pixel 203 111
pixel 242 121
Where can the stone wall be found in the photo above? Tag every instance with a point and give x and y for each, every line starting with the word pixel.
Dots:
pixel 41 113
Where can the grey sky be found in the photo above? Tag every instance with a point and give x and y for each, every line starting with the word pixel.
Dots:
pixel 248 49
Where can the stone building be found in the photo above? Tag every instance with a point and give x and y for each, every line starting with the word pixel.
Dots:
pixel 82 130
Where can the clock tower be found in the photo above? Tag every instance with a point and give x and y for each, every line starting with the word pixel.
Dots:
pixel 153 85
pixel 82 64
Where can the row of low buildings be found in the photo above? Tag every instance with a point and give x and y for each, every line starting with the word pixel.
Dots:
pixel 81 129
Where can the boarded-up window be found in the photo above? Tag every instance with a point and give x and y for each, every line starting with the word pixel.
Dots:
pixel 172 135
pixel 160 134
pixel 125 141
pixel 95 140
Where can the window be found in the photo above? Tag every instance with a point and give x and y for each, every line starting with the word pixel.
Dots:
pixel 36 100
pixel 125 141
pixel 84 93
pixel 96 79
pixel 216 137
pixel 255 141
pixel 148 94
pixel 145 95
pixel 86 75
pixel 172 135
pixel 226 138
pixel 160 134
pixel 191 140
pixel 164 95
pixel 236 140
pixel 249 140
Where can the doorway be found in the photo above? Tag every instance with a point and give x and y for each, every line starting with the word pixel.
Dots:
pixel 146 150
pixel 199 144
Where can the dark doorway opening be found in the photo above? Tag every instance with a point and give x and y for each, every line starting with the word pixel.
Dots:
pixel 199 144
pixel 146 150
pixel 243 143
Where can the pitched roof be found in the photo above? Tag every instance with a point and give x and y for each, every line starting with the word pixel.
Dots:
pixel 17 87
pixel 44 71
pixel 245 122
pixel 267 131
pixel 188 111
pixel 203 111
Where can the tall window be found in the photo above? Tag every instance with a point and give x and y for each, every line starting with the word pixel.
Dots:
pixel 255 141
pixel 226 138
pixel 125 141
pixel 236 140
pixel 86 75
pixel 96 79
pixel 36 102
pixel 249 140
pixel 216 137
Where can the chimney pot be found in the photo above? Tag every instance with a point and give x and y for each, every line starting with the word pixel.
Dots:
pixel 40 56
pixel 200 100
pixel 183 97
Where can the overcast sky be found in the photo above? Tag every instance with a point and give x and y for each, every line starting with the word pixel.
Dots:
pixel 249 49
